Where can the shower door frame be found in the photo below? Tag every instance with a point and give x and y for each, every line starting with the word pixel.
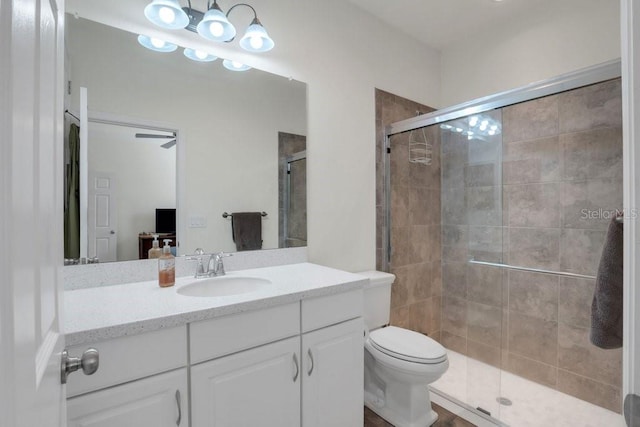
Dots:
pixel 583 77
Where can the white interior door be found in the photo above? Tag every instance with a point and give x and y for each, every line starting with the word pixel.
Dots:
pixel 31 162
pixel 102 227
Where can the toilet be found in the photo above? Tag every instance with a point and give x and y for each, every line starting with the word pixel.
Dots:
pixel 399 364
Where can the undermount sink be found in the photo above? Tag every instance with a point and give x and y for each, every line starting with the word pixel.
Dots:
pixel 223 286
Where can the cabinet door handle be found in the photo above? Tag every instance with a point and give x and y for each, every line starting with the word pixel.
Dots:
pixel 295 362
pixel 312 364
pixel 179 408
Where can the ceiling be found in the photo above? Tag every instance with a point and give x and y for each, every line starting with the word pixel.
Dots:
pixel 441 23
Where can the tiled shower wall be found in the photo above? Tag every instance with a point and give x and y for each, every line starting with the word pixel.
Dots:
pixel 415 195
pixel 561 159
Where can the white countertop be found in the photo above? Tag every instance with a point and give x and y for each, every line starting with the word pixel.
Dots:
pixel 100 313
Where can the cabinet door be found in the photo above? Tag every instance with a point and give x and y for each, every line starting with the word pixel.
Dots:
pixel 333 369
pixel 157 401
pixel 257 387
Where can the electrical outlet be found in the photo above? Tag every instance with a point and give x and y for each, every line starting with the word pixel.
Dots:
pixel 197 221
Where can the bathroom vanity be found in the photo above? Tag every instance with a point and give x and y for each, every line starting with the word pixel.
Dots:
pixel 288 354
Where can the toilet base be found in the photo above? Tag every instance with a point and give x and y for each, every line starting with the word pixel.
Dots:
pixel 395 419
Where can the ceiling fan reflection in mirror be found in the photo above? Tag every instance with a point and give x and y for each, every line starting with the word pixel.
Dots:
pixel 168 144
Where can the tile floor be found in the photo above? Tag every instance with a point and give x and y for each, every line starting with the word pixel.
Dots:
pixel 445 419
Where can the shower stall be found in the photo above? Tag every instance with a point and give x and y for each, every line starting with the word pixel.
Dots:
pixel 495 242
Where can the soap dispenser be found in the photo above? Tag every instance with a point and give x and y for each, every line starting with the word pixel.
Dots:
pixel 166 266
pixel 155 250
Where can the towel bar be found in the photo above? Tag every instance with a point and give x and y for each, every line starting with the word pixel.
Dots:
pixel 534 270
pixel 226 215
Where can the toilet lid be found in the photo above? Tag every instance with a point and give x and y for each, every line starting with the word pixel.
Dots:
pixel 407 345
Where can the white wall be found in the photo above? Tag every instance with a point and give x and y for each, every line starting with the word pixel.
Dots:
pixel 342 54
pixel 535 47
pixel 144 175
pixel 228 121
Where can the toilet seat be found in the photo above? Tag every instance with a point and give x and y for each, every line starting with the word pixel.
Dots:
pixel 404 344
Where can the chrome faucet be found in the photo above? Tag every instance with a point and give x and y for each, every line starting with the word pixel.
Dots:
pixel 213 267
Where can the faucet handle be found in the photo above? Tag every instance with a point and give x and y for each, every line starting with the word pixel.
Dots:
pixel 218 265
pixel 200 267
pixel 223 255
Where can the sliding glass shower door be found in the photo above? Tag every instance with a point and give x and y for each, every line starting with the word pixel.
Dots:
pixel 496 243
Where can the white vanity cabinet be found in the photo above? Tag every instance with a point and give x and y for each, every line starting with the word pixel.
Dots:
pixel 312 375
pixel 159 401
pixel 257 387
pixel 142 381
pixel 332 383
pixel 295 364
pixel 251 370
pixel 333 357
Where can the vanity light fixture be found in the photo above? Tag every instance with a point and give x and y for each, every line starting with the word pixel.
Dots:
pixel 156 44
pixel 235 65
pixel 199 55
pixel 213 25
pixel 166 14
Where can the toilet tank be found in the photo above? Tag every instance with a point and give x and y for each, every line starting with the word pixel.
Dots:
pixel 377 298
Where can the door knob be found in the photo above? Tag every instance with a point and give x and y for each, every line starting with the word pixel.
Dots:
pixel 113 232
pixel 89 362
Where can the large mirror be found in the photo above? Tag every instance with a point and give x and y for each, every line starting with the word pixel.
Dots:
pixel 169 136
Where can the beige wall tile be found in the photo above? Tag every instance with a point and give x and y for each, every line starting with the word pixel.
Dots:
pixel 400 288
pixel 419 281
pixel 600 394
pixel 453 169
pixel 420 316
pixel 454 316
pixel 436 315
pixel 400 247
pixel 400 317
pixel 484 285
pixel 453 342
pixel 532 369
pixel 576 354
pixel 574 302
pixel 436 279
pixel 484 324
pixel 532 161
pixel 420 206
pixel 399 206
pixel 481 175
pixel 533 205
pixel 591 204
pixel 530 120
pixel 534 294
pixel 580 250
pixel 533 337
pixel 420 245
pixel 591 107
pixel 592 154
pixel 485 353
pixel 535 247
pixel 454 279
pixel 453 206
pixel 484 206
pixel 486 243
